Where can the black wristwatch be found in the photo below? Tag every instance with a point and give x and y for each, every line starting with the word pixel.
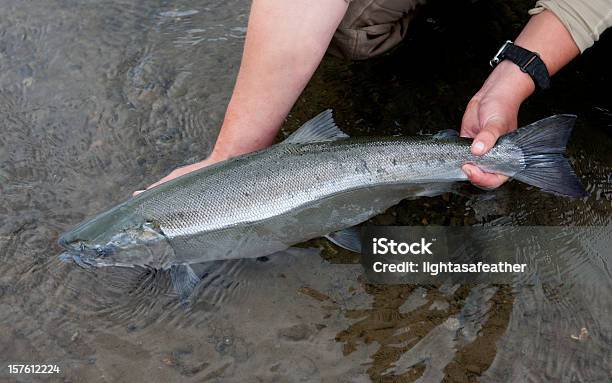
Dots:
pixel 529 62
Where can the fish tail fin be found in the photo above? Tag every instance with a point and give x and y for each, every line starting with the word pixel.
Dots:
pixel 543 145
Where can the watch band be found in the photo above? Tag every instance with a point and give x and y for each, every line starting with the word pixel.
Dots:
pixel 529 62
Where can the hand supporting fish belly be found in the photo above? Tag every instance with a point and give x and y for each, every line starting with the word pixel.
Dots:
pixel 318 182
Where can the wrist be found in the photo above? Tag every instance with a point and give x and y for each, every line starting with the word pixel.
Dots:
pixel 509 82
pixel 218 155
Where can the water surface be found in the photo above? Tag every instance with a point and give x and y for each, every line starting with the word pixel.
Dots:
pixel 98 99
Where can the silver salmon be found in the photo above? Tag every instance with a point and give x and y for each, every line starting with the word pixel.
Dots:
pixel 318 182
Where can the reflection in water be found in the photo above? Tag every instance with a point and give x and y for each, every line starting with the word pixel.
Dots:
pixel 100 99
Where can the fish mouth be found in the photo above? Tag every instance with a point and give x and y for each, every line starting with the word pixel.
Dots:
pixel 78 252
pixel 86 257
pixel 75 256
pixel 63 242
pixel 73 246
pixel 70 241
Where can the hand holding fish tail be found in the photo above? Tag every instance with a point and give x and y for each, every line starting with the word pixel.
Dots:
pixel 490 114
pixel 493 111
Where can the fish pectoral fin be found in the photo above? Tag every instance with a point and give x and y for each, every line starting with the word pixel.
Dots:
pixel 319 129
pixel 348 239
pixel 184 280
pixel 446 134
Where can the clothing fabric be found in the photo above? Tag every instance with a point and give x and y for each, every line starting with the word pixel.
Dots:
pixel 584 19
pixel 372 27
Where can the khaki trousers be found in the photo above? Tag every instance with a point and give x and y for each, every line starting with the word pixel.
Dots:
pixel 372 27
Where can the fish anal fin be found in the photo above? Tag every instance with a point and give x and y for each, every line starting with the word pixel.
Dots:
pixel 348 239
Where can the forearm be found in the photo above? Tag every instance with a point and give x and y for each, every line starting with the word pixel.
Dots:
pixel 586 20
pixel 285 43
pixel 546 35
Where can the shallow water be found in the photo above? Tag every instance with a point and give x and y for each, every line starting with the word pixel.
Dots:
pixel 98 99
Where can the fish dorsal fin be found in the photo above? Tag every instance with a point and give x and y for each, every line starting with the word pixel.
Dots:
pixel 446 134
pixel 321 128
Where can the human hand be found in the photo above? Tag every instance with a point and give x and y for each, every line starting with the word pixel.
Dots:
pixel 184 170
pixel 491 113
